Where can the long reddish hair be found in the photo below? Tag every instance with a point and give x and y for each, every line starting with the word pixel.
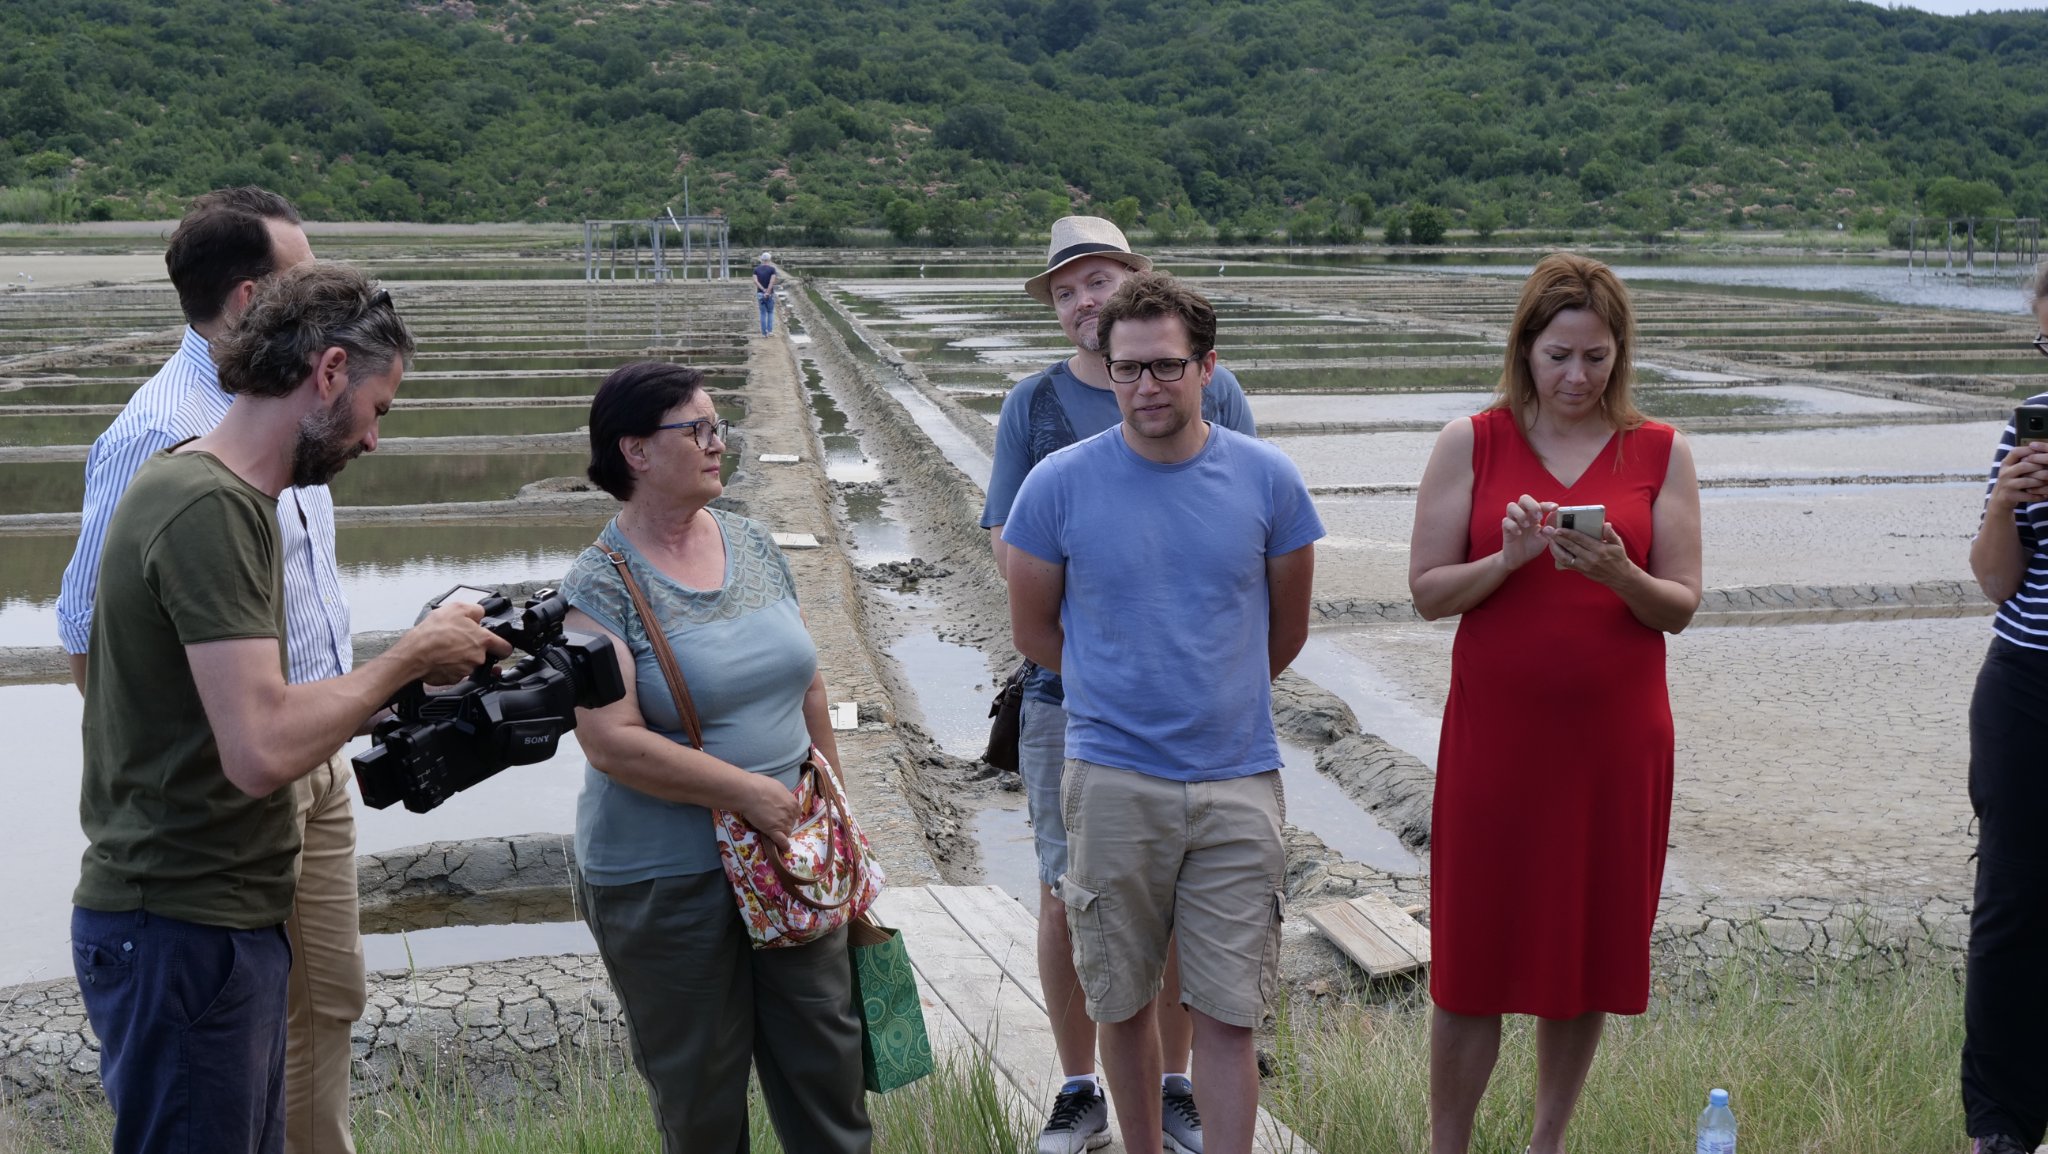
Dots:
pixel 1563 281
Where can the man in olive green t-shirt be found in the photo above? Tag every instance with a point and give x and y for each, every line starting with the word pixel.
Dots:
pixel 192 733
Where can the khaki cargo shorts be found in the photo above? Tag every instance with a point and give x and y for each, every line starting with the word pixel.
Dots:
pixel 1151 860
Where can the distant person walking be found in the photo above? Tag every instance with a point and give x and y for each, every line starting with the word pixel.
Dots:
pixel 1068 401
pixel 2005 999
pixel 766 278
pixel 1553 787
pixel 229 242
pixel 1163 568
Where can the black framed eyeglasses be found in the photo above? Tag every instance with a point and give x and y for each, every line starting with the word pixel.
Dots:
pixel 1165 370
pixel 704 429
pixel 2041 344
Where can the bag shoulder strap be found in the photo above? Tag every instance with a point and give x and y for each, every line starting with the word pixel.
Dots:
pixel 678 689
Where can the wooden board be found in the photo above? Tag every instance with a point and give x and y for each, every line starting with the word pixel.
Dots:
pixel 975 949
pixel 1375 933
pixel 1398 924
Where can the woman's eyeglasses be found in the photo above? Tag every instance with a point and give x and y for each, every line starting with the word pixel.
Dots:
pixel 704 429
pixel 2041 344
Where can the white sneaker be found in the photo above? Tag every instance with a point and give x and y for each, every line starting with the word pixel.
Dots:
pixel 1080 1121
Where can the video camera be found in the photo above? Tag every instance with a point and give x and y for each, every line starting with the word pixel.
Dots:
pixel 438 743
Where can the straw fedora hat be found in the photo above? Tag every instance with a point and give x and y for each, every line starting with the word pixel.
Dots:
pixel 1074 237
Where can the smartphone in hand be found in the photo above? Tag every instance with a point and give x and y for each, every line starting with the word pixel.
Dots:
pixel 2030 424
pixel 1588 519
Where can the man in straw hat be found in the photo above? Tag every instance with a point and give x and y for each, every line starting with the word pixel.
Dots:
pixel 1068 401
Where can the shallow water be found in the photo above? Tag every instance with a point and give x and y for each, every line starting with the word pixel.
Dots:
pixel 1850 278
pixel 40 839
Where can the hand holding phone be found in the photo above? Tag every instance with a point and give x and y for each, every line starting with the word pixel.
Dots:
pixel 1588 519
pixel 2023 478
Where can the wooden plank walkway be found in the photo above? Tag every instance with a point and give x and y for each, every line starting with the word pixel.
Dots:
pixel 975 950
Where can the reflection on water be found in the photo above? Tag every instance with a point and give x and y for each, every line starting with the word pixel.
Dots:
pixel 387 571
pixel 30 570
pixel 390 571
pixel 1320 806
pixel 1856 279
pixel 952 686
pixel 1381 709
pixel 40 841
pixel 491 422
pixel 41 486
pixel 877 535
pixel 464 945
pixel 422 478
pixel 1008 857
pixel 61 430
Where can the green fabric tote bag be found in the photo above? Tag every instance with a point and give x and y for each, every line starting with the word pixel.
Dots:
pixel 894 1048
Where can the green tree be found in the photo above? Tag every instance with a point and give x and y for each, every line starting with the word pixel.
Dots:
pixel 1396 230
pixel 1486 220
pixel 388 198
pixel 947 218
pixel 810 130
pixel 1950 197
pixel 720 132
pixel 1426 224
pixel 980 129
pixel 41 106
pixel 1176 225
pixel 904 219
pixel 1122 212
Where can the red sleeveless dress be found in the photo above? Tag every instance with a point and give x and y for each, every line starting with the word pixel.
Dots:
pixel 1553 782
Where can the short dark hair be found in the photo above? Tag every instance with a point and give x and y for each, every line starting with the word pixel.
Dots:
pixel 1145 295
pixel 222 241
pixel 630 403
pixel 299 314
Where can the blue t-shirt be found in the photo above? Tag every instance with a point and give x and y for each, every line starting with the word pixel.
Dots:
pixel 1052 409
pixel 1165 610
pixel 747 660
pixel 763 273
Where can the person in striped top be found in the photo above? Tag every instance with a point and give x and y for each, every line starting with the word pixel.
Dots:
pixel 229 241
pixel 2005 1002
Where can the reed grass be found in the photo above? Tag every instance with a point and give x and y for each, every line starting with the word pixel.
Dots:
pixel 1827 1058
pixel 591 1110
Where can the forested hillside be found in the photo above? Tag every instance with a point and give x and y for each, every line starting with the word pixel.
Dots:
pixel 958 120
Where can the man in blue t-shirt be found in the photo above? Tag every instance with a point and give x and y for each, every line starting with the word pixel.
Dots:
pixel 1071 399
pixel 1163 567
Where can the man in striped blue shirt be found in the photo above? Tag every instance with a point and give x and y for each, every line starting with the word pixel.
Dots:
pixel 227 242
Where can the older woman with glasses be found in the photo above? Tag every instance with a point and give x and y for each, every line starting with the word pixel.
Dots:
pixel 2005 1002
pixel 700 1003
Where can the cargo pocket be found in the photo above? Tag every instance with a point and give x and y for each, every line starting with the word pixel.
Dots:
pixel 1092 964
pixel 1269 959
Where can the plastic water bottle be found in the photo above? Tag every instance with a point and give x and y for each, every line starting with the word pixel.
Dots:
pixel 1716 1132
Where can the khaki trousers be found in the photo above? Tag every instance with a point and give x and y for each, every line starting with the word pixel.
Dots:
pixel 326 993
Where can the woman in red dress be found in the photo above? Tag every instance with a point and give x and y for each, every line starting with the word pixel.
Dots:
pixel 1553 788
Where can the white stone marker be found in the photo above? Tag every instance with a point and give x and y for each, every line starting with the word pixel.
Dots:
pixel 795 540
pixel 845 715
pixel 780 458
